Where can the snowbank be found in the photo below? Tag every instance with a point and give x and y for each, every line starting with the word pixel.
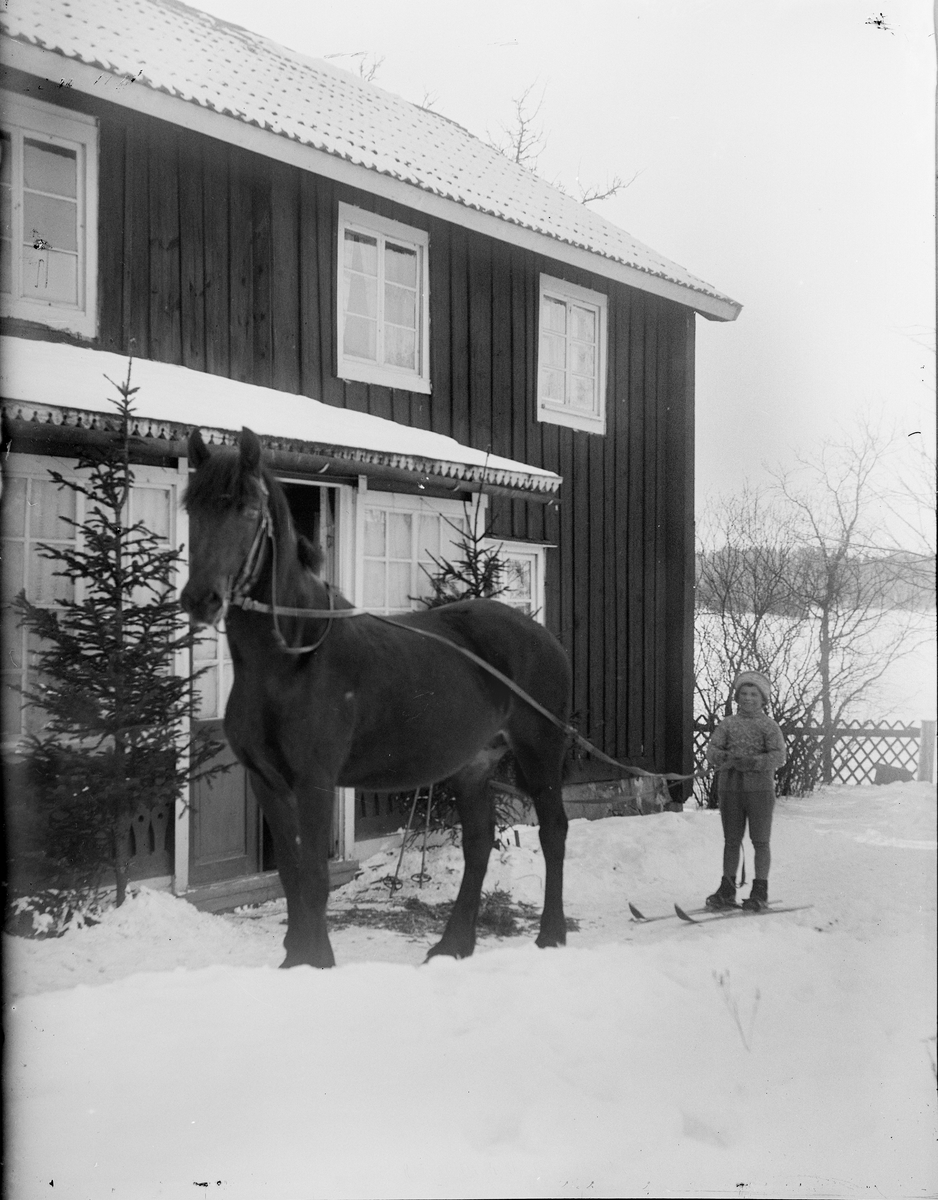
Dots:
pixel 766 1056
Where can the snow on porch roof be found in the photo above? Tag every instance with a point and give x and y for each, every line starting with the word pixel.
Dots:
pixel 52 383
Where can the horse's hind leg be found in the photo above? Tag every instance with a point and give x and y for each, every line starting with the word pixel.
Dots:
pixel 540 765
pixel 477 816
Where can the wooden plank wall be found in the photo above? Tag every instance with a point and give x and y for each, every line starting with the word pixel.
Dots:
pixel 226 263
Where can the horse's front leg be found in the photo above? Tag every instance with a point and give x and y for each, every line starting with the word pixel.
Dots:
pixel 475 805
pixel 305 880
pixel 315 799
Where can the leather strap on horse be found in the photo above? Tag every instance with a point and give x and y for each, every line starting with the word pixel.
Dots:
pixel 330 614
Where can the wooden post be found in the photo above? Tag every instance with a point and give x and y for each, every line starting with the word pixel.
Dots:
pixel 926 753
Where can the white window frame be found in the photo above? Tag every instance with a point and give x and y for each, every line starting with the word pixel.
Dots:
pixel 371 225
pixel 24 116
pixel 400 502
pixel 536 555
pixel 33 467
pixel 562 413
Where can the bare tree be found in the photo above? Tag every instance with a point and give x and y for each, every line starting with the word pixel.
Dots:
pixel 523 141
pixel 746 619
pixel 812 580
pixel 844 579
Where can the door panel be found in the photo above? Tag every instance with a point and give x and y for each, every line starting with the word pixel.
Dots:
pixel 224 833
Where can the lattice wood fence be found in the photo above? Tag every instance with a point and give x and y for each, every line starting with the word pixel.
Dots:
pixel 858 749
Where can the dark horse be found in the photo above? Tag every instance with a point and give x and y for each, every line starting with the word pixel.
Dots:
pixel 365 702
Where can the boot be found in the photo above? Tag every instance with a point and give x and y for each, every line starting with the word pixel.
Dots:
pixel 758 897
pixel 724 896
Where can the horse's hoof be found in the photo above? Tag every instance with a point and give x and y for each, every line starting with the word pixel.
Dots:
pixel 296 961
pixel 441 951
pixel 548 942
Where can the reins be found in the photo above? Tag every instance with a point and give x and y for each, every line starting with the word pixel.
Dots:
pixel 250 573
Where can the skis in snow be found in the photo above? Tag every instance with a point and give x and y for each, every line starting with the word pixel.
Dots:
pixel 700 916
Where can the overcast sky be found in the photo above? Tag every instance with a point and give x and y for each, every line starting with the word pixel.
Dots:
pixel 783 150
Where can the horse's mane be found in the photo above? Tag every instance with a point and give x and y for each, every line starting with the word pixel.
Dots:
pixel 221 483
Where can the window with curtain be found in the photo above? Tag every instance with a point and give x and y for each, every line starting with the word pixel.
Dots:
pixel 383 301
pixel 571 366
pixel 48 214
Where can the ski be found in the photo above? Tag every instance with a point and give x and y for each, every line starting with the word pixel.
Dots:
pixel 640 916
pixel 737 911
pixel 694 916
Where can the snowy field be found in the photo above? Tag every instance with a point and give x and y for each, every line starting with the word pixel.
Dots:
pixel 161 1054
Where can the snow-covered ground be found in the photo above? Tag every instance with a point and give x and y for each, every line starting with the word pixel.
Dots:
pixel 789 1055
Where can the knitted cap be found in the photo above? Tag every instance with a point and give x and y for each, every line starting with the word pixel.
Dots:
pixel 757 680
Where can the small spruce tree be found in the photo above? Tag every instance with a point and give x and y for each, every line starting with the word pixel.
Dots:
pixel 478 572
pixel 113 739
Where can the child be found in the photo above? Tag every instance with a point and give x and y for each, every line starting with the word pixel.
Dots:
pixel 747 749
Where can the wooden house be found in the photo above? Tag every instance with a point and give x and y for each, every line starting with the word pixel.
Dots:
pixel 402 314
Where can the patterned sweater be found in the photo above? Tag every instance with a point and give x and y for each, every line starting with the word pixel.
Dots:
pixel 747 751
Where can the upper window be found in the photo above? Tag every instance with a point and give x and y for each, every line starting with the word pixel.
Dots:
pixel 383 308
pixel 48 214
pixel 571 366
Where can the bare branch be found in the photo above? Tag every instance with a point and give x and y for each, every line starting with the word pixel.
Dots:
pixel 523 139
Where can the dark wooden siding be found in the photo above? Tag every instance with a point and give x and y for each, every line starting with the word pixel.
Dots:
pixel 221 261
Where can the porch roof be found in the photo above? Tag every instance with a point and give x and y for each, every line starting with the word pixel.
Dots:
pixel 54 384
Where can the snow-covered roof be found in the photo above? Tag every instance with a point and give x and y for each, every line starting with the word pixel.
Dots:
pixel 164 47
pixel 58 384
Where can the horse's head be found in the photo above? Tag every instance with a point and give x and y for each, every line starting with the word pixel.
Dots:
pixel 227 502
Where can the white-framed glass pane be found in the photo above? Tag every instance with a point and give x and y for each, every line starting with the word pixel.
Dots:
pixel 206 646
pixel 582 359
pixel 152 507
pixel 375 532
pixel 361 338
pixel 400 585
pixel 361 295
pixel 400 347
pixel 50 168
pixel 552 385
pixel 361 253
pixel 13 507
pixel 553 351
pixel 12 578
pixel 553 315
pixel 49 505
pixel 400 543
pixel 49 275
pixel 206 694
pixel 583 323
pixel 401 265
pixel 376 582
pixel 582 393
pixel 49 222
pixel 400 306
pixel 428 536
